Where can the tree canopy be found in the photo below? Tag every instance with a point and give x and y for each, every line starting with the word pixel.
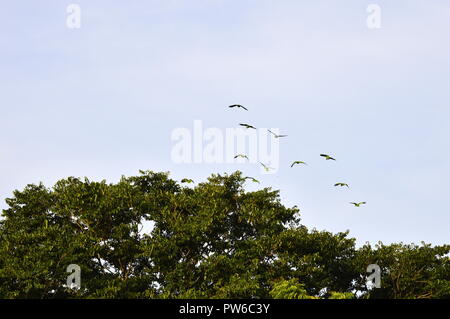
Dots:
pixel 212 240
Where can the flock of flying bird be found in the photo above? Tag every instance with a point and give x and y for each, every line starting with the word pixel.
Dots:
pixel 267 168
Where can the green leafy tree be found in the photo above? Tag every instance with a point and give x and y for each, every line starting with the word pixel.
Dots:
pixel 212 240
pixel 407 271
pixel 290 289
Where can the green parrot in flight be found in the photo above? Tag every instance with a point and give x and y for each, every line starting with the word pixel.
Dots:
pixel 341 184
pixel 266 168
pixel 298 162
pixel 238 106
pixel 358 204
pixel 252 179
pixel 247 126
pixel 276 135
pixel 327 157
pixel 241 156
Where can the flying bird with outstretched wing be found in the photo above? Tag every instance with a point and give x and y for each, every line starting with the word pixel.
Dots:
pixel 187 180
pixel 247 126
pixel 342 184
pixel 238 106
pixel 276 135
pixel 266 168
pixel 358 204
pixel 252 179
pixel 297 163
pixel 327 157
pixel 241 156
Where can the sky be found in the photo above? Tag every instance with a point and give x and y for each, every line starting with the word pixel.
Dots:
pixel 103 100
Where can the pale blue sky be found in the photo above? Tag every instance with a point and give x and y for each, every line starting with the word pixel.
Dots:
pixel 102 101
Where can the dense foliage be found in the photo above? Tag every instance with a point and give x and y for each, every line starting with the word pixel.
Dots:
pixel 214 240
